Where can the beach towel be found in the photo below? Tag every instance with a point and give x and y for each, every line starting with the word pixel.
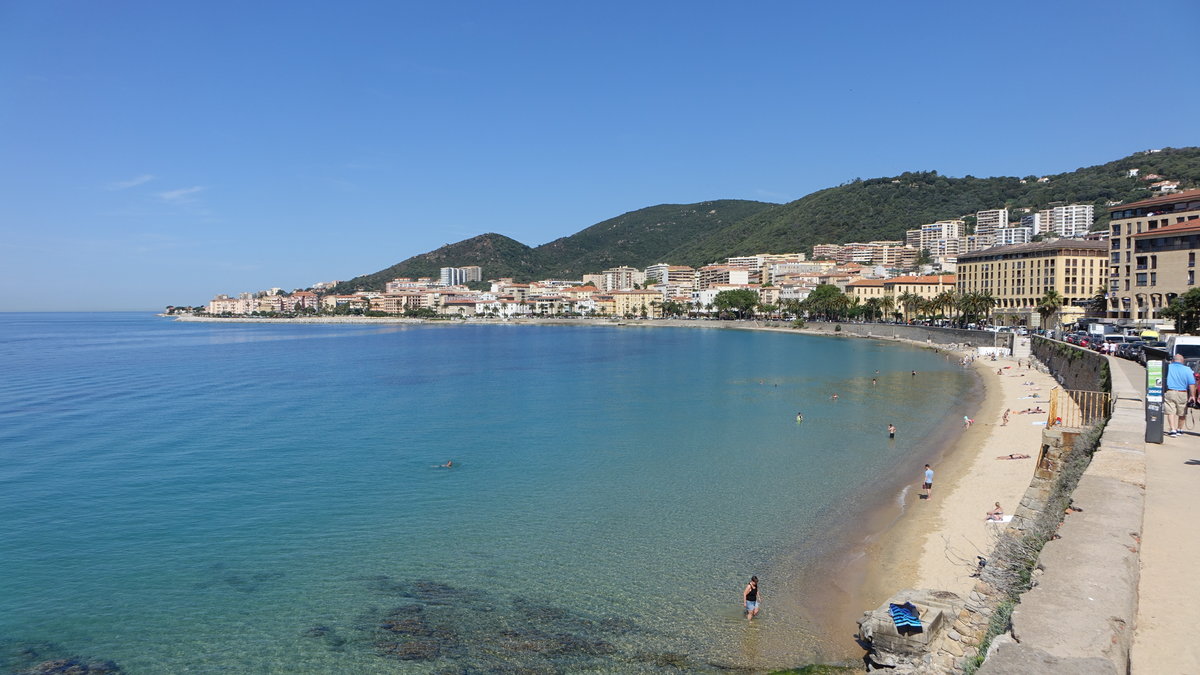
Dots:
pixel 904 616
pixel 1039 424
pixel 1003 519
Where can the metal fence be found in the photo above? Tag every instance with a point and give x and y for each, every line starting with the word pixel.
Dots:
pixel 1076 408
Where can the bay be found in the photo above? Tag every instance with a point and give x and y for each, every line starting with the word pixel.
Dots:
pixel 189 497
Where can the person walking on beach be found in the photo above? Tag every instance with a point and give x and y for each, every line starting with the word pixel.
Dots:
pixel 891 431
pixel 927 486
pixel 1004 422
pixel 750 598
pixel 1181 389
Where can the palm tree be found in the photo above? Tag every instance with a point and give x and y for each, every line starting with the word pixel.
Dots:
pixel 909 301
pixel 888 304
pixel 1049 305
pixel 946 301
pixel 872 307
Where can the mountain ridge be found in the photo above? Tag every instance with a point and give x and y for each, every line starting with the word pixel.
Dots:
pixel 861 210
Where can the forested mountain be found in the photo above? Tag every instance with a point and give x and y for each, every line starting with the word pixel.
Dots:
pixel 862 210
pixel 883 208
pixel 638 238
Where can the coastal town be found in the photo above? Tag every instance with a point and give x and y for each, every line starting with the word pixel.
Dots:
pixel 1018 267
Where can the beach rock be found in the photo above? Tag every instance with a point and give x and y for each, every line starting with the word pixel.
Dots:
pixel 889 646
pixel 413 626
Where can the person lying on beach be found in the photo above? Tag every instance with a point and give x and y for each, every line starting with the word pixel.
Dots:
pixel 1013 456
pixel 995 514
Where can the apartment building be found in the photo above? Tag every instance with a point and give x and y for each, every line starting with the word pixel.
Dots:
pixel 647 303
pixel 673 275
pixel 986 225
pixel 1018 277
pixel 826 251
pixel 1008 236
pixel 622 278
pixel 454 276
pixel 712 275
pixel 1152 254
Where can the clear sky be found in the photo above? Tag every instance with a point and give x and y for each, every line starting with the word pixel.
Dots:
pixel 156 153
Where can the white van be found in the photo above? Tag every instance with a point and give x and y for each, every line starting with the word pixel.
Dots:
pixel 1189 346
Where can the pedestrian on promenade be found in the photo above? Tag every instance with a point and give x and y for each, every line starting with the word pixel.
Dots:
pixel 1181 389
pixel 750 598
pixel 927 486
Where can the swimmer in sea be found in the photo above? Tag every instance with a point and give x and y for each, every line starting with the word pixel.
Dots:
pixel 448 465
pixel 799 417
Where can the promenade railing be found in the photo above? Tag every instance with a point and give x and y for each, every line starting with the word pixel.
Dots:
pixel 1076 409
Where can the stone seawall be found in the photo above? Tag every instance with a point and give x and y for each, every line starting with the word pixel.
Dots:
pixel 926 334
pixel 1080 614
pixel 1075 368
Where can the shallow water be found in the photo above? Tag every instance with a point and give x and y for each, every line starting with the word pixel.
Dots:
pixel 264 498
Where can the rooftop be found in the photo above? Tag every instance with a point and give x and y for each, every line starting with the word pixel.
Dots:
pixel 1186 227
pixel 1036 247
pixel 1186 195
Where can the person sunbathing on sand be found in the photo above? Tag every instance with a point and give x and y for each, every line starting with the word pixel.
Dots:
pixel 995 514
pixel 1013 456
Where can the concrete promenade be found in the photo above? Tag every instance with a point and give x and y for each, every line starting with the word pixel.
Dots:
pixel 1164 641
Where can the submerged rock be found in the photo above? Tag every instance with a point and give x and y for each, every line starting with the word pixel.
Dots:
pixel 72 667
pixel 412 650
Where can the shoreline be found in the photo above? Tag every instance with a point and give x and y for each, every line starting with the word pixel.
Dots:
pixel 900 544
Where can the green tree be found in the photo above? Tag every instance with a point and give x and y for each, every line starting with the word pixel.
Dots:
pixel 741 302
pixel 1049 305
pixel 910 302
pixel 826 301
pixel 1185 310
pixel 1098 304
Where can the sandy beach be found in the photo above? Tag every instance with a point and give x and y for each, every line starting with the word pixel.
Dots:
pixel 934 543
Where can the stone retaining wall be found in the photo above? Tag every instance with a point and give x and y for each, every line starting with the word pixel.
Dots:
pixel 926 334
pixel 1074 367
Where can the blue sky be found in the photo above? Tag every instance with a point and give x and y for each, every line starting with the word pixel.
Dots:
pixel 159 153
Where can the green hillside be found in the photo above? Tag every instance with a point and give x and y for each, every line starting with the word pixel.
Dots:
pixel 883 208
pixel 638 238
pixel 498 255
pixel 643 237
pixel 863 210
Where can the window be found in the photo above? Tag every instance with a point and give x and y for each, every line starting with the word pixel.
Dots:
pixel 1191 277
pixel 1191 260
pixel 1154 278
pixel 1116 244
pixel 1141 279
pixel 1116 230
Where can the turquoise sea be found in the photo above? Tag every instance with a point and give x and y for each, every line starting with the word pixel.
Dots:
pixel 257 498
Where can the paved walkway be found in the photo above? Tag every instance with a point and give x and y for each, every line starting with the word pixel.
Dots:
pixel 1164 641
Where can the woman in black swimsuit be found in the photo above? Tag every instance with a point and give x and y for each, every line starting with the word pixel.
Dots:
pixel 750 598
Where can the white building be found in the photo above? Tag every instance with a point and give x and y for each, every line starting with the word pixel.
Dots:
pixel 1072 221
pixel 1014 235
pixel 453 276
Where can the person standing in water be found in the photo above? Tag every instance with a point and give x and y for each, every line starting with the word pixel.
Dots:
pixel 891 431
pixel 750 598
pixel 927 486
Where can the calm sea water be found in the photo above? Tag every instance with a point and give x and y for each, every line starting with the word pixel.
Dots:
pixel 184 497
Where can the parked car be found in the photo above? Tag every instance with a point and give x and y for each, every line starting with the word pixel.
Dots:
pixel 1156 344
pixel 1130 349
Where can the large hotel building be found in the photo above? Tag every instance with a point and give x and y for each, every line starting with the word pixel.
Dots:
pixel 1018 277
pixel 1153 255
